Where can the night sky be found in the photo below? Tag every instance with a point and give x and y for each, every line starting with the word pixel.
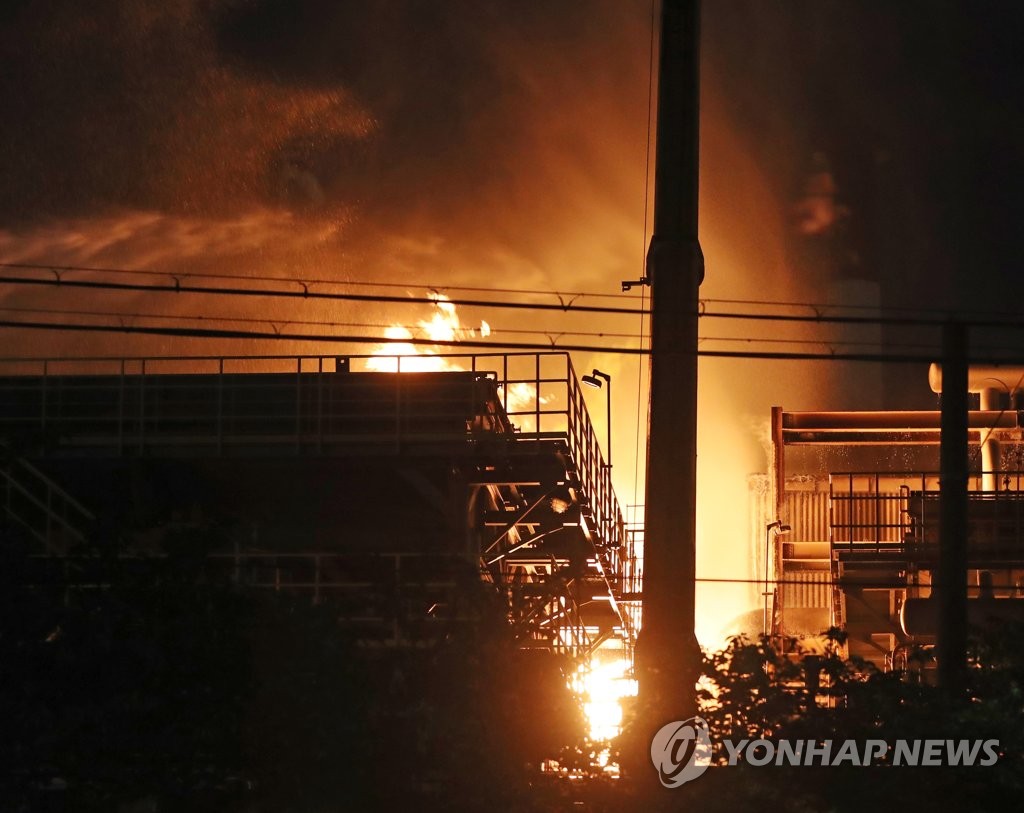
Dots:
pixel 480 129
pixel 915 105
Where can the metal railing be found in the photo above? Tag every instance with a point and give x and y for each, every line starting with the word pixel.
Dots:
pixel 399 597
pixel 898 512
pixel 40 506
pixel 130 406
pixel 868 511
pixel 631 576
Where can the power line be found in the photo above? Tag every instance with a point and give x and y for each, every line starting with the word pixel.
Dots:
pixel 553 335
pixel 540 331
pixel 1013 321
pixel 824 319
pixel 146 272
pixel 305 293
pixel 132 315
pixel 224 333
pixel 819 308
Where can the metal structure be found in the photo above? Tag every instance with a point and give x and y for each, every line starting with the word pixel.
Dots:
pixel 865 549
pixel 391 486
pixel 669 657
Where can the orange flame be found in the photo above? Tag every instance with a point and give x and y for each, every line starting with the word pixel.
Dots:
pixel 404 356
pixel 444 324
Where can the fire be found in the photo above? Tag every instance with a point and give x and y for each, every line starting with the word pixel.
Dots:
pixel 521 396
pixel 603 685
pixel 398 354
pixel 443 325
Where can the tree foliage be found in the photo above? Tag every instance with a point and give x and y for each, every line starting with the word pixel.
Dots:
pixel 184 693
pixel 172 687
pixel 751 691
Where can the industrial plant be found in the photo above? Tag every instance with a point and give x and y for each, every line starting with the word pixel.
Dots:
pixel 852 522
pixel 387 494
pixel 268 542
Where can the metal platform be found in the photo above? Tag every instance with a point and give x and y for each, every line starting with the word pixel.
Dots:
pixel 489 459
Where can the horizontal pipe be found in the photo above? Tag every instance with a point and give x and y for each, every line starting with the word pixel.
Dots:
pixel 906 421
pixel 1005 378
pixel 919 616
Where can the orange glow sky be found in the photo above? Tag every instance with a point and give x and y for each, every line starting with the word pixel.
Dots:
pixel 460 143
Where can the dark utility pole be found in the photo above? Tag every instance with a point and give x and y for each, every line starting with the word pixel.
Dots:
pixel 952 576
pixel 668 656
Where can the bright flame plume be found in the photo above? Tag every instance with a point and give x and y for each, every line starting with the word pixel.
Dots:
pixel 444 325
pixel 602 686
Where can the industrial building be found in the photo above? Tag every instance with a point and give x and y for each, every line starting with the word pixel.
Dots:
pixel 395 488
pixel 849 523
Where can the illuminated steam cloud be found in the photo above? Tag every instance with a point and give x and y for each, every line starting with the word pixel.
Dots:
pixel 819 210
pixel 454 130
pixel 487 143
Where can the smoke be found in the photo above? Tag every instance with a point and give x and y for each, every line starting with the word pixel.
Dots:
pixel 487 143
pixel 259 238
pixel 456 129
pixel 128 106
pixel 481 143
pixel 819 210
pixel 465 142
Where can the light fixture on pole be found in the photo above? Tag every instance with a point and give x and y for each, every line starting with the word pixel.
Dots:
pixel 779 529
pixel 629 284
pixel 594 380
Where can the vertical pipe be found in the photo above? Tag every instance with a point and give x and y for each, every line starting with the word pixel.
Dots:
pixel 142 407
pixel 120 412
pixel 952 572
pixel 320 407
pixel 220 407
pixel 779 494
pixel 668 656
pixel 536 396
pixel 398 404
pixel 990 457
pixel 298 404
pixel 43 399
pixel 608 418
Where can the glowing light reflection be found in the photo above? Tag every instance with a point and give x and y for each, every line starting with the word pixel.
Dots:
pixel 602 688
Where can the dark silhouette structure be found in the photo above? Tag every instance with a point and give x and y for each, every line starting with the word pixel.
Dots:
pixel 391 494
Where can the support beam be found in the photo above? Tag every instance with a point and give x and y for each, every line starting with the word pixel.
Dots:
pixel 668 656
pixel 951 586
pixel 777 630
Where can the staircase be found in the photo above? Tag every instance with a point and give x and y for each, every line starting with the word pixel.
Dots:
pixel 39 506
pixel 551 550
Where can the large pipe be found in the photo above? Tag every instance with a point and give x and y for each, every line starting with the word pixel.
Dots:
pixel 990 382
pixel 1006 378
pixel 668 656
pixel 891 428
pixel 991 459
pixel 920 616
pixel 778 493
pixel 892 421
